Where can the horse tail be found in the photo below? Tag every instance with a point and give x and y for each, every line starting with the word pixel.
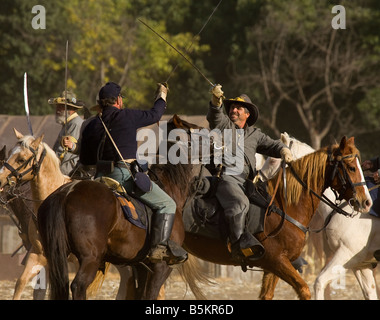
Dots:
pixel 192 274
pixel 95 285
pixel 51 225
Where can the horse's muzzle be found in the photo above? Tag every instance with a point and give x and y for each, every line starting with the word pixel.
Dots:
pixel 361 206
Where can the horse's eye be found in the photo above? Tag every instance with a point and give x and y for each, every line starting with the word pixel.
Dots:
pixel 352 169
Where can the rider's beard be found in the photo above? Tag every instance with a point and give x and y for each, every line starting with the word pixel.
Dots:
pixel 60 118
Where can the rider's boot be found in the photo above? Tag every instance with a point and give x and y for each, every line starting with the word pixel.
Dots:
pixel 162 248
pixel 244 246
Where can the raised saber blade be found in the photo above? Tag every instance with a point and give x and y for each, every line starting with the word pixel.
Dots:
pixel 191 44
pixel 179 52
pixel 67 54
pixel 26 103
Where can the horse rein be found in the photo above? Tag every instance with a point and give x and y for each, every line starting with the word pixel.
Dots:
pixel 35 167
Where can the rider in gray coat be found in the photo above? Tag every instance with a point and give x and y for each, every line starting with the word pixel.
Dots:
pixel 66 143
pixel 241 115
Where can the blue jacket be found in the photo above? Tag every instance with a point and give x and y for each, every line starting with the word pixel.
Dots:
pixel 123 125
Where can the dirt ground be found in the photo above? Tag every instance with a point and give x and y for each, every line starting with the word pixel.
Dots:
pixel 223 289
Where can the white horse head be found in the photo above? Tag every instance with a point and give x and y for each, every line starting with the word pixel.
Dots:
pixel 298 149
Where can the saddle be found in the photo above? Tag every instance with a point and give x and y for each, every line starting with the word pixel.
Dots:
pixel 204 215
pixel 134 211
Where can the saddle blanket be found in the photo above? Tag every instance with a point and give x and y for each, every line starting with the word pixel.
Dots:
pixel 136 216
pixel 134 211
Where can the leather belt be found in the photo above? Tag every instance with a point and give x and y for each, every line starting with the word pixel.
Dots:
pixel 121 163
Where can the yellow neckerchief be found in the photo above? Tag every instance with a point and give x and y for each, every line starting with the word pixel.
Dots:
pixel 74 115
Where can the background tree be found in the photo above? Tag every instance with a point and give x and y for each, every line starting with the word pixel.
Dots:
pixel 307 78
pixel 307 74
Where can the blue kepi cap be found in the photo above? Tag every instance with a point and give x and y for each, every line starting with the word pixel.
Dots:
pixel 110 90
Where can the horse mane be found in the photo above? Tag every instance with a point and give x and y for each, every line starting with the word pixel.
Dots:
pixel 311 170
pixel 173 174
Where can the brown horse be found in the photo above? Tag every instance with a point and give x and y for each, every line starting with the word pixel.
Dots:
pixel 336 166
pixel 85 218
pixel 31 160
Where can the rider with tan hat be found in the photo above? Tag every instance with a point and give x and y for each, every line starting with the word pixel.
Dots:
pixel 66 144
pixel 239 117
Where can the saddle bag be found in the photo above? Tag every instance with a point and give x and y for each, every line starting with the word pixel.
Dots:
pixel 141 179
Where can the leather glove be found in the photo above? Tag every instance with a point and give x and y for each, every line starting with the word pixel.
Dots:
pixel 286 155
pixel 217 95
pixel 161 91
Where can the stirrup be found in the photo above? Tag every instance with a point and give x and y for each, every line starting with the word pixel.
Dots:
pixel 158 254
pixel 170 254
pixel 251 247
pixel 176 253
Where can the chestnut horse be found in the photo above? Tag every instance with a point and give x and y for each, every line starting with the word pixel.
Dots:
pixel 336 166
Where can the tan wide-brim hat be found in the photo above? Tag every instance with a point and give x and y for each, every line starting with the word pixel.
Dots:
pixel 70 101
pixel 244 100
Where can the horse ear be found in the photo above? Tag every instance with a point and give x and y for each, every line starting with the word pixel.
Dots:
pixel 351 140
pixel 343 143
pixel 346 141
pixel 177 121
pixel 37 141
pixel 284 138
pixel 18 134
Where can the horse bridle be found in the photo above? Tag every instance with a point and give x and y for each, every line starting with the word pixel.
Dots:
pixel 343 176
pixel 35 167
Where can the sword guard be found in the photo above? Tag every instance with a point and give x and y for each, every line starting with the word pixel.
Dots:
pixel 165 84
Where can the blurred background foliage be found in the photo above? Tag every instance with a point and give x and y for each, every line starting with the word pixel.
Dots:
pixel 308 79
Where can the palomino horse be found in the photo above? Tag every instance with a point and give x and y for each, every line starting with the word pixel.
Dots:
pixel 30 163
pixel 350 242
pixel 15 201
pixel 335 166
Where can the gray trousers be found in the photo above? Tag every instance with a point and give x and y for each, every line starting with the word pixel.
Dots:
pixel 157 199
pixel 230 194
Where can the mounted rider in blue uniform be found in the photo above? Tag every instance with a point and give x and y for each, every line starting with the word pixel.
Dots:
pixel 96 147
